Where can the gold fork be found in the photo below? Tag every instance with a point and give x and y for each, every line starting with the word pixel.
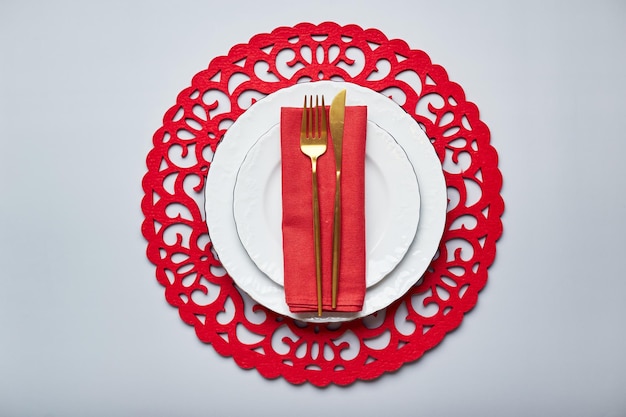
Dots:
pixel 313 142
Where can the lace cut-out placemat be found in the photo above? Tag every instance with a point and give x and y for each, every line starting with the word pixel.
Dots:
pixel 178 239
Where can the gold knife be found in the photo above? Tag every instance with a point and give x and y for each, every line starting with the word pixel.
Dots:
pixel 337 115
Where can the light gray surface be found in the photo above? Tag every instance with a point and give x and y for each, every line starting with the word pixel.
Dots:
pixel 84 328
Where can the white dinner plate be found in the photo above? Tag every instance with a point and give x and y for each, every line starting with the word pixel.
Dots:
pixel 260 118
pixel 391 204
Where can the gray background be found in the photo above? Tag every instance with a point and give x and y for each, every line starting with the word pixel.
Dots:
pixel 84 327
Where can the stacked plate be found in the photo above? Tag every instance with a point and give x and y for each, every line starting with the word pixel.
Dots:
pixel 405 199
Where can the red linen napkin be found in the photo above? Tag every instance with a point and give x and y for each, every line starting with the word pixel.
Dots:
pixel 298 247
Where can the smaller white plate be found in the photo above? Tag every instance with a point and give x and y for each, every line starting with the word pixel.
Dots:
pixel 391 204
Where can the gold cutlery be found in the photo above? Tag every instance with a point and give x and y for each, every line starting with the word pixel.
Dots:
pixel 337 115
pixel 313 143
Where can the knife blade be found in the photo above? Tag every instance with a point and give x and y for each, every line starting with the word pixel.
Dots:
pixel 337 117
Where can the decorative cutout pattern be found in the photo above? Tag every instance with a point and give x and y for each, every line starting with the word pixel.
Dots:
pixel 177 235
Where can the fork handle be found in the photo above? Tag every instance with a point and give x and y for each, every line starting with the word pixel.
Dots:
pixel 316 237
pixel 336 240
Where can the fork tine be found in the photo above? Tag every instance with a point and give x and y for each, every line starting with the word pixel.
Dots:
pixel 323 131
pixel 312 122
pixel 316 131
pixel 308 117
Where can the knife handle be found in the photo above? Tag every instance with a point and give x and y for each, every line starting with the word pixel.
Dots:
pixel 336 240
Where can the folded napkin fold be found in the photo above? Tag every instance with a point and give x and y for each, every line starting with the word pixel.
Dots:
pixel 298 246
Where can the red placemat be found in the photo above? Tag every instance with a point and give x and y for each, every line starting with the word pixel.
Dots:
pixel 204 294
